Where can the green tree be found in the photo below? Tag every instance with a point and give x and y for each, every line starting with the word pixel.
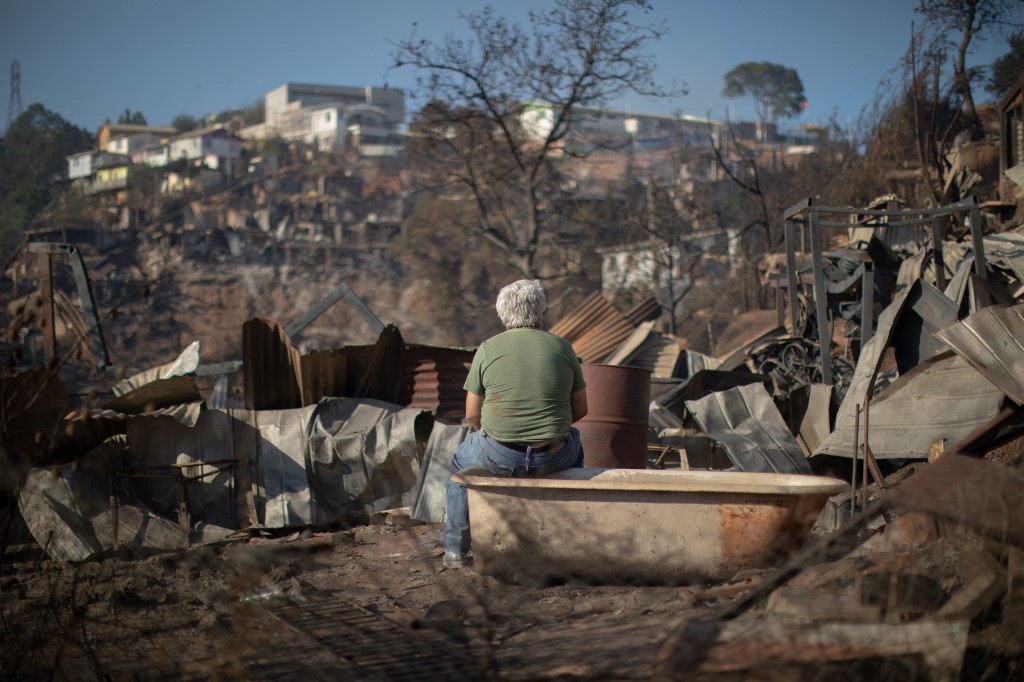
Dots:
pixel 133 118
pixel 275 146
pixel 248 115
pixel 32 158
pixel 504 102
pixel 1008 68
pixel 184 123
pixel 968 19
pixel 777 90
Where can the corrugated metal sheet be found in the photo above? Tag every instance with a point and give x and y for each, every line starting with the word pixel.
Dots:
pixel 363 455
pixel 221 397
pixel 1006 250
pixel 815 424
pixel 927 311
pixel 156 395
pixel 186 414
pixel 428 377
pixel 992 341
pixel 324 374
pixel 913 342
pixel 311 465
pixel 85 429
pixel 382 377
pixel 347 416
pixel 185 363
pixel 574 324
pixel 650 350
pixel 694 362
pixel 49 500
pixel 431 493
pixel 942 398
pixel 273 375
pixel 596 328
pixel 921 265
pixel 372 371
pixel 745 420
pixel 704 383
pixel 432 379
pixel 644 311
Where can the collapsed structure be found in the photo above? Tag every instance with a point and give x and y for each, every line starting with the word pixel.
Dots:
pixel 334 433
pixel 894 350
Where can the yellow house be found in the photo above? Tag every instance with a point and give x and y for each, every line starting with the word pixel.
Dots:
pixel 115 177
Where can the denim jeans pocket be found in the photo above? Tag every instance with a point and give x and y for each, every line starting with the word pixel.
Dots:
pixel 502 470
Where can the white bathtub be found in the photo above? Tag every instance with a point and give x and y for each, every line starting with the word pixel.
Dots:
pixel 640 526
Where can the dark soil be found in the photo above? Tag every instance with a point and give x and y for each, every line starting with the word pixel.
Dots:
pixel 369 603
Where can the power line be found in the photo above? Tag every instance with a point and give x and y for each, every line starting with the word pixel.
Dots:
pixel 14 107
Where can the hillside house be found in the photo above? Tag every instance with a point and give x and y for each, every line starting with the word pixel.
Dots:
pixel 122 138
pixel 330 117
pixel 80 165
pixel 154 156
pixel 110 172
pixel 329 126
pixel 210 147
pixel 292 97
pixel 98 171
pixel 644 265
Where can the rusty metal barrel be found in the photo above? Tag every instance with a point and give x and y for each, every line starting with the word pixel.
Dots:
pixel 614 432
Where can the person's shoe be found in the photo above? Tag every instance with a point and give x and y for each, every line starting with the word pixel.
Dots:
pixel 456 560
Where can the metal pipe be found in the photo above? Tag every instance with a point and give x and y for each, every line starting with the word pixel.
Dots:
pixel 820 299
pixel 877 226
pixel 880 212
pixel 791 277
pixel 853 475
pixel 864 482
pixel 867 305
pixel 937 257
pixel 977 240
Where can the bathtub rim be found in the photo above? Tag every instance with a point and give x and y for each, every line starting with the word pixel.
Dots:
pixel 640 480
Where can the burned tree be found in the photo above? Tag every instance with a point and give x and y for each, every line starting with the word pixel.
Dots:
pixel 961 21
pixel 504 104
pixel 662 219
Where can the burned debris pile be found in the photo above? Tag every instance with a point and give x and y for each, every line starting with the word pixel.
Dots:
pixel 917 571
pixel 916 401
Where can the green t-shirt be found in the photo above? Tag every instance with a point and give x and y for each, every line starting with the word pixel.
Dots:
pixel 526 376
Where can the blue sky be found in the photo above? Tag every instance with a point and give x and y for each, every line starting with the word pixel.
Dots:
pixel 89 61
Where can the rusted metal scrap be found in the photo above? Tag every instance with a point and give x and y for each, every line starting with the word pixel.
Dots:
pixel 793 362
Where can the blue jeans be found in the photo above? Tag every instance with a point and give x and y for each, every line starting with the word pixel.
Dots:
pixel 479 450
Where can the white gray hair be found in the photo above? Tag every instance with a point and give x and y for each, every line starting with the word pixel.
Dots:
pixel 522 304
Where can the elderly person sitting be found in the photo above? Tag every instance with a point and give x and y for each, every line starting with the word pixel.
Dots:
pixel 524 391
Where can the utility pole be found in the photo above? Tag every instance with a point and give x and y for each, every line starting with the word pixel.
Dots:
pixel 14 106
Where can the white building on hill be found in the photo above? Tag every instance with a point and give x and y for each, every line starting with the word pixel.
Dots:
pixel 329 117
